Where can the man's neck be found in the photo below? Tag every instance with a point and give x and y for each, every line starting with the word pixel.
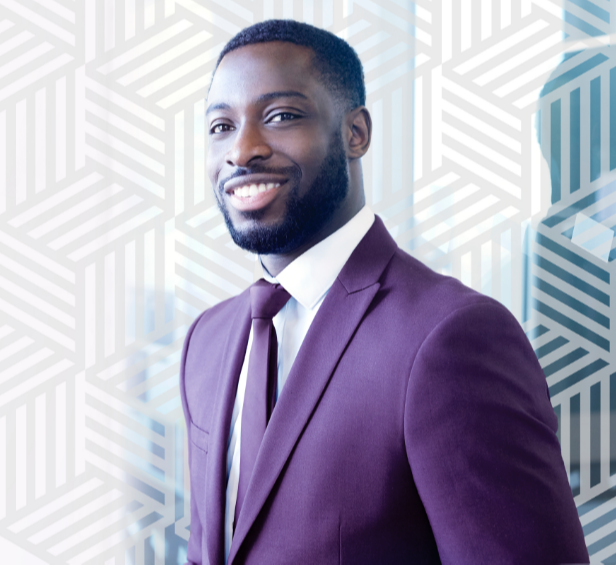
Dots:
pixel 276 262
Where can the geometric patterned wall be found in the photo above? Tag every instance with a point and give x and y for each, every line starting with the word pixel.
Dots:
pixel 570 290
pixel 111 243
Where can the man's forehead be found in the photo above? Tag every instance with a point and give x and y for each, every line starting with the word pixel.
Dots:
pixel 269 53
pixel 265 67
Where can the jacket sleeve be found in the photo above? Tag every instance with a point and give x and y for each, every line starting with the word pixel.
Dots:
pixel 195 550
pixel 480 439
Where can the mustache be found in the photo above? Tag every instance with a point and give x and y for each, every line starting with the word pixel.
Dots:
pixel 294 173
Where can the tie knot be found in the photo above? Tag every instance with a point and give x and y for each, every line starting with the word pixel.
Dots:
pixel 267 299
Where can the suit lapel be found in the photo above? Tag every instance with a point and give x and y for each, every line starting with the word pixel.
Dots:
pixel 216 474
pixel 331 330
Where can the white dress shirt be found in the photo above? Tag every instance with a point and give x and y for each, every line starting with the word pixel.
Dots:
pixel 307 279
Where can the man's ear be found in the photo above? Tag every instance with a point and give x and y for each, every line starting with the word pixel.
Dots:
pixel 358 132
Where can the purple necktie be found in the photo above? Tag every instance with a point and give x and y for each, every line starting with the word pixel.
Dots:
pixel 266 300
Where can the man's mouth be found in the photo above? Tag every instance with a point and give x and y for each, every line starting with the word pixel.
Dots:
pixel 253 193
pixel 254 189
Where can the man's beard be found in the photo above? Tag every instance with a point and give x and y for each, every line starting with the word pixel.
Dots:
pixel 305 216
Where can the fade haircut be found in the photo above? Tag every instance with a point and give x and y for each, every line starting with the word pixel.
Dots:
pixel 335 61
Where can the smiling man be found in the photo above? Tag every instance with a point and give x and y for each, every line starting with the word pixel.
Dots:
pixel 353 406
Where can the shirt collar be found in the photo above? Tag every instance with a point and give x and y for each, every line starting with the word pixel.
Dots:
pixel 310 276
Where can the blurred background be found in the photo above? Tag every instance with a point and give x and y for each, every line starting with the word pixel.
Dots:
pixel 493 160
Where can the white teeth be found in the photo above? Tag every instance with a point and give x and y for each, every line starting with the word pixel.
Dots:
pixel 253 189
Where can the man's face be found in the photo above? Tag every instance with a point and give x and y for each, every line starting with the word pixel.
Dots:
pixel 276 159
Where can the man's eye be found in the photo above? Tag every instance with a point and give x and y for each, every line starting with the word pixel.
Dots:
pixel 220 128
pixel 284 116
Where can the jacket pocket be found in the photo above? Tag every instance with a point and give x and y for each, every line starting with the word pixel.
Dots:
pixel 199 437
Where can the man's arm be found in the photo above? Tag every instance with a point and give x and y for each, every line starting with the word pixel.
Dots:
pixel 194 551
pixel 480 439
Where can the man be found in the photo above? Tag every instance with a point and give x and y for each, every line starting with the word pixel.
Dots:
pixel 411 421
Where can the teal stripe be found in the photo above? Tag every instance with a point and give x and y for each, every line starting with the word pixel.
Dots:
pixel 575 72
pixel 574 258
pixel 593 9
pixel 573 303
pixel 574 141
pixel 572 280
pixel 595 129
pixel 564 361
pixel 582 25
pixel 571 325
pixel 578 376
pixel 536 332
pixel 595 435
pixel 604 542
pixel 550 346
pixel 555 150
pixel 574 443
pixel 593 503
pixel 599 522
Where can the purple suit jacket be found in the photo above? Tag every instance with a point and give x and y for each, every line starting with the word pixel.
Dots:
pixel 415 427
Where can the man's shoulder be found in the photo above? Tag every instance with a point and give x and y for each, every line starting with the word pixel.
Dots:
pixel 424 294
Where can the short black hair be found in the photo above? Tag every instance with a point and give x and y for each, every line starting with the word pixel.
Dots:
pixel 335 60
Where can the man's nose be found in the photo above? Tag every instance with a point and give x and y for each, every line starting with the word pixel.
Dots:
pixel 249 145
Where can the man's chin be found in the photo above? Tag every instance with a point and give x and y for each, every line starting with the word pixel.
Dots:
pixel 261 238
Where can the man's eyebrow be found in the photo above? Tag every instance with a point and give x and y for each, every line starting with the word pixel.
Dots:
pixel 219 106
pixel 262 98
pixel 280 94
